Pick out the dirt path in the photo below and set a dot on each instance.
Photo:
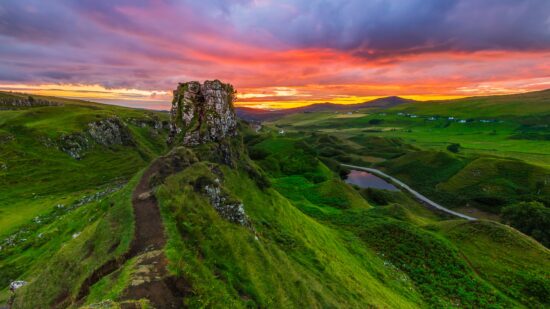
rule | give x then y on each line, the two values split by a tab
150	279
405	187
149	233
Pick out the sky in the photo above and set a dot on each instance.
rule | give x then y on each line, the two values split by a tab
278	53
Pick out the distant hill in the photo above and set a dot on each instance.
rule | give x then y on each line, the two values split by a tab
535	103
255	114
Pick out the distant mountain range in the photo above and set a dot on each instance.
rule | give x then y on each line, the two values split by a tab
535	103
255	114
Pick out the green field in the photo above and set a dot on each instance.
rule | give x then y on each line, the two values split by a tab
505	138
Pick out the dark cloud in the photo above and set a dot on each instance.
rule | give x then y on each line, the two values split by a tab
403	26
153	43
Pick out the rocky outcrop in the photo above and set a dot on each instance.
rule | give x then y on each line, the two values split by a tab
156	124
18	102
107	132
227	206
202	113
74	144
111	131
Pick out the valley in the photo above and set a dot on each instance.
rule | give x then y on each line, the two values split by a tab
477	163
100	211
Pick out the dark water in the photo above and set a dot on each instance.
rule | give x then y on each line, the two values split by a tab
368	180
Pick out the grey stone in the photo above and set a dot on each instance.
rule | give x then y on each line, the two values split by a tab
228	208
145	195
202	113
111	131
17	284
74	144
19	102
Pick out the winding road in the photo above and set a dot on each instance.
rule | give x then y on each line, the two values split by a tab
405	187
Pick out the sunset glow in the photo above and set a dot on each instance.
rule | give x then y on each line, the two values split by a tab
277	54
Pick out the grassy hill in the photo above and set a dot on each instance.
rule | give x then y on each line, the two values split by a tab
258	220
48	156
254	114
56	158
518	105
495	251
487	183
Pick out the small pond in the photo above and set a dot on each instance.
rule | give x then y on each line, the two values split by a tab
364	179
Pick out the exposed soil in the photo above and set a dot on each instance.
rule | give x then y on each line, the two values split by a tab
150	280
149	233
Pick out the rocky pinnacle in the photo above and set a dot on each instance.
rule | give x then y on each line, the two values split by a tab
202	113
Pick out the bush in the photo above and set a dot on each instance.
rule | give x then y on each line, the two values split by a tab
377	197
532	218
455	148
258	153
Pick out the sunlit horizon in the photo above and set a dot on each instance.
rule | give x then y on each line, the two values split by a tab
277	54
256	98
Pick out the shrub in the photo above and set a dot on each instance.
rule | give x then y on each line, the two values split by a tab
454	147
377	197
532	218
258	153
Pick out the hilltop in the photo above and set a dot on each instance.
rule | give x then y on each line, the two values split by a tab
514	105
254	114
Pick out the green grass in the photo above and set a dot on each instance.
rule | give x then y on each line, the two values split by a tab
512	262
113	285
521	134
55	262
295	262
404	234
35	175
429	260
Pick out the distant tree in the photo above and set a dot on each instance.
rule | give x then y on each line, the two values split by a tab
532	218
454	147
375	121
30	99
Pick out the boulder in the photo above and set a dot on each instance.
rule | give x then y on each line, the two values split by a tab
17	284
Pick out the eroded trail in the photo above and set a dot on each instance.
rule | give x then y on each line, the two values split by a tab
149	278
149	231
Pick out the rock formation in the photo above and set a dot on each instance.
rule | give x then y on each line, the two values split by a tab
111	131
229	209
107	132
202	113
20	102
